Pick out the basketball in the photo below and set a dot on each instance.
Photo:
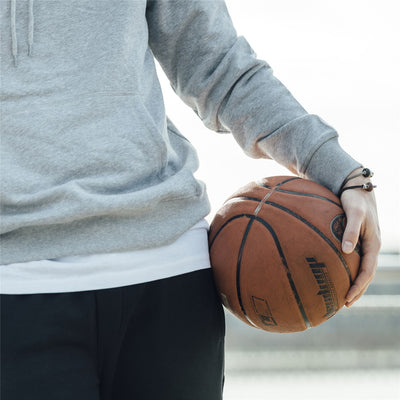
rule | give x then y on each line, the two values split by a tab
275	250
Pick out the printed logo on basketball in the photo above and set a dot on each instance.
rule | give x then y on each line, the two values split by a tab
263	311
327	289
337	226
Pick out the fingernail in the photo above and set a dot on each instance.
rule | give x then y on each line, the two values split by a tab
347	246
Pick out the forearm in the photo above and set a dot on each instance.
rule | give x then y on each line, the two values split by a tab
219	76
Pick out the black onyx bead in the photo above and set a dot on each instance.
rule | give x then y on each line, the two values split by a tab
367	173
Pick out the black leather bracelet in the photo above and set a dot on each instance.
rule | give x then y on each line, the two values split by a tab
366	173
368	187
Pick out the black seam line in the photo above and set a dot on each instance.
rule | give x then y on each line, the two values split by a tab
279	184
305	194
242	198
226	223
270	193
239	265
288	273
315	229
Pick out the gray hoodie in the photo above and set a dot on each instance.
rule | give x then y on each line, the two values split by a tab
89	161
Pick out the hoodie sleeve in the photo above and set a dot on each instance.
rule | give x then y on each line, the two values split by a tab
218	75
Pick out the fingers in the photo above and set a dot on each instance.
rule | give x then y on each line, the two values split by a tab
369	262
366	274
362	222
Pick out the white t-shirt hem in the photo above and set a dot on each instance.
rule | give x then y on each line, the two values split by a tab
188	253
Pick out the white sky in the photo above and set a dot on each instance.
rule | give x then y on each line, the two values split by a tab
340	59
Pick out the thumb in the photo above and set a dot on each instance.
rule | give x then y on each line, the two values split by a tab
352	231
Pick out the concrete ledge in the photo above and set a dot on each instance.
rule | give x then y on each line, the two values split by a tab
251	362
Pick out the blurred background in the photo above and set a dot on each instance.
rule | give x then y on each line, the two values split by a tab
341	60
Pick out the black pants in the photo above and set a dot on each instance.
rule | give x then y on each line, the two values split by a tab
159	340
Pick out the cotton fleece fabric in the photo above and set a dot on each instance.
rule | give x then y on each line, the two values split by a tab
90	163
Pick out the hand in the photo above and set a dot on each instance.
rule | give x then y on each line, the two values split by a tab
362	222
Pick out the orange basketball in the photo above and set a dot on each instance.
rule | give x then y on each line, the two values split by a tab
275	248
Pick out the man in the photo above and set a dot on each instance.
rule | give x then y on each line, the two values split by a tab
107	290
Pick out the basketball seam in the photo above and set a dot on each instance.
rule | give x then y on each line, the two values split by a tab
270	193
238	268
292	192
223	226
280	250
277	188
288	273
279	184
314	228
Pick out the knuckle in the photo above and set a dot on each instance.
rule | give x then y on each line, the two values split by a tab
365	276
358	212
351	235
354	214
372	275
369	274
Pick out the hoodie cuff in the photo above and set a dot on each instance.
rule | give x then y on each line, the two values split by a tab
330	165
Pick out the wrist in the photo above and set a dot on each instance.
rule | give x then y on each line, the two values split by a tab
358	179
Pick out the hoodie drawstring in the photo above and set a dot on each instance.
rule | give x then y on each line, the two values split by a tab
14	42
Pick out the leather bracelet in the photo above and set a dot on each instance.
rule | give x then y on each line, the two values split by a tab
366	173
368	187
